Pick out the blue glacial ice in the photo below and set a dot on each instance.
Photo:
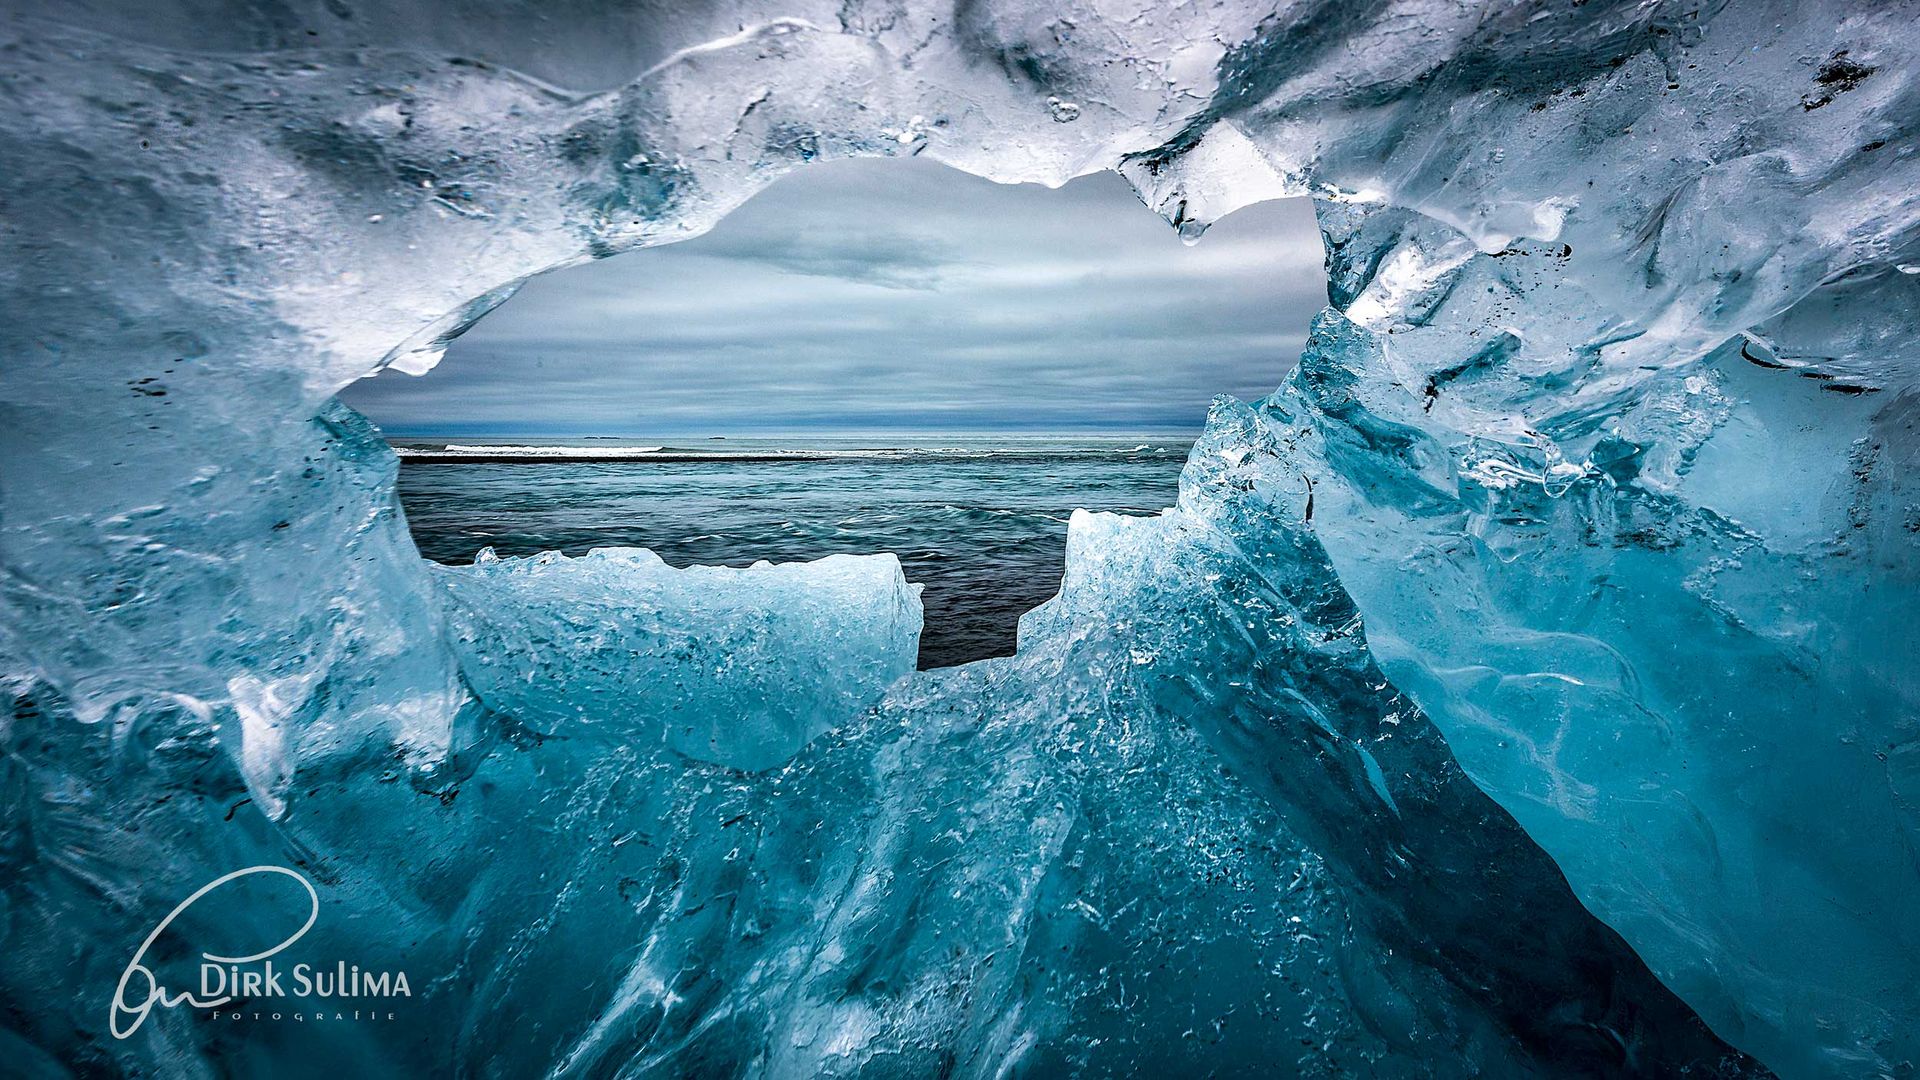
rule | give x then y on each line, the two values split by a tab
738	667
1526	688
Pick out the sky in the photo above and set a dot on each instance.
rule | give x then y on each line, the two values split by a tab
876	296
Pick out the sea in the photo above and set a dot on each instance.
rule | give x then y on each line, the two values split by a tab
980	521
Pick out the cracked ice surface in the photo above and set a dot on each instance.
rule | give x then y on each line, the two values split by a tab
1593	486
737	667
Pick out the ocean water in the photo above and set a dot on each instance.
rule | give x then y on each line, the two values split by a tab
980	521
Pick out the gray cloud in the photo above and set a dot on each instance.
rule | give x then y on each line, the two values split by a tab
888	260
879	295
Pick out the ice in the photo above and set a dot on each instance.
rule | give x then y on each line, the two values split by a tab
735	666
1190	804
1665	632
1593	485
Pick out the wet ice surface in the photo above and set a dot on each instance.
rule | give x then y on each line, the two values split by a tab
1590	502
740	667
984	529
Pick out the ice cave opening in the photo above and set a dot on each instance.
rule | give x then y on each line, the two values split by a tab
869	355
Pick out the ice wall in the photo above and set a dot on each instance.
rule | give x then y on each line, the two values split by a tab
1667	634
1607	436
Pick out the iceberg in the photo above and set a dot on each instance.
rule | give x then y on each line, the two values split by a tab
741	667
1525	688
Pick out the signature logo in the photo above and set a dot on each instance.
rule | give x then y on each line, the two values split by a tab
129	1014
224	979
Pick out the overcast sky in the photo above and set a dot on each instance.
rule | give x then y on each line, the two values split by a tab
885	295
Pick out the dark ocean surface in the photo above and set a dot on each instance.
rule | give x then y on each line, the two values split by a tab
981	521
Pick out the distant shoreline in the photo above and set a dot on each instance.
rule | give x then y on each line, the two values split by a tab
453	454
441	457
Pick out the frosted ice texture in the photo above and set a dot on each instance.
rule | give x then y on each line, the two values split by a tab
1606	441
735	666
1668	635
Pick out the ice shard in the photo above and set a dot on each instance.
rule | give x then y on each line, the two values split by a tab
1665	631
1526	688
735	666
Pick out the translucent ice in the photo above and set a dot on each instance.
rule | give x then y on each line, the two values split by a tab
1190	804
739	667
1605	447
1665	631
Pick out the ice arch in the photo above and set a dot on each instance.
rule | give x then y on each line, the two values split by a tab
1650	586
